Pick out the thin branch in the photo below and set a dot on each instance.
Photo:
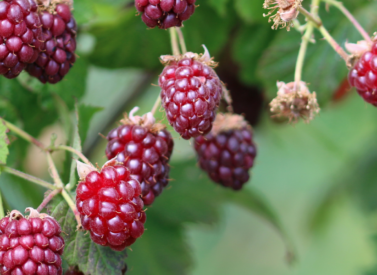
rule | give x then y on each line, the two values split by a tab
27	177
302	52
333	43
174	41
74	151
72	205
181	40
48	199
54	172
156	104
316	21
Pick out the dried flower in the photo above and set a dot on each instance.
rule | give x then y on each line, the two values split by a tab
294	101
287	12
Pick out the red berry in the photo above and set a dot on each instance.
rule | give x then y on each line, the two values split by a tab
31	245
228	152
145	151
59	32
190	92
20	36
363	76
165	13
110	206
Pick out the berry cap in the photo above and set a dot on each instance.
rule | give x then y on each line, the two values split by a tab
228	121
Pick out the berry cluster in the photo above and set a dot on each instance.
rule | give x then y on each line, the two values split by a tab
145	149
363	75
110	206
228	152
59	36
40	39
30	245
191	92
165	13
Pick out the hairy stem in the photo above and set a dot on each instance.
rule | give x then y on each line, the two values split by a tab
48	198
54	172
74	151
174	41
27	177
181	40
72	205
24	135
351	18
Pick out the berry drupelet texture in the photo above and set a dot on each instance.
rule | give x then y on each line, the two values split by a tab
20	35
363	76
146	153
30	246
190	92
110	207
227	156
165	13
59	36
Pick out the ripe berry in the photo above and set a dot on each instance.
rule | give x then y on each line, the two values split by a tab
20	36
228	152
165	13
363	75
110	206
191	92
59	34
144	147
30	245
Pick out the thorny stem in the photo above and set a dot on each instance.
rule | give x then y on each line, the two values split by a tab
174	41
353	20
48	198
72	205
24	135
27	177
181	40
74	151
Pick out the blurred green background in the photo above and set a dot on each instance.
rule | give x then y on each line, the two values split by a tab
320	178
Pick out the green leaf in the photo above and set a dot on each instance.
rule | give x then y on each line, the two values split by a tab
86	113
3	142
80	250
250	11
219	6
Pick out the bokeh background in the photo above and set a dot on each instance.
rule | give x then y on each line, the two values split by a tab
320	178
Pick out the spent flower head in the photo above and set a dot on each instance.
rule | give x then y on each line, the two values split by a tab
287	11
294	101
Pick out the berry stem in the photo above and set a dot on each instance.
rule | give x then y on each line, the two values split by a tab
27	177
174	42
351	18
24	135
74	151
181	40
54	172
48	198
312	18
2	214
72	205
303	48
156	104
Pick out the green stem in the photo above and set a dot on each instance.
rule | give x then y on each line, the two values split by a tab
27	177
312	18
156	104
72	205
302	52
74	151
24	135
352	19
181	40
54	172
174	41
2	214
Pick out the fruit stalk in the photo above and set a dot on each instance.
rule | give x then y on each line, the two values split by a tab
72	205
72	150
48	198
27	177
156	104
181	40
352	19
174	41
2	214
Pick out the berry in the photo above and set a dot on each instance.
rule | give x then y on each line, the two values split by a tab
191	92
20	36
59	34
165	13
144	147
363	75
30	245
228	152
110	206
